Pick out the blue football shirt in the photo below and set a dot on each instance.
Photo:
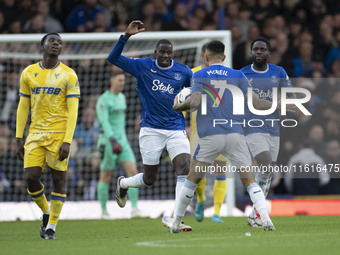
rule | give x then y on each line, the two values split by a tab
217	80
263	82
157	87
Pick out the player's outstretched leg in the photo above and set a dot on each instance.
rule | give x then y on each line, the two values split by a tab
121	194
258	199
199	209
182	203
167	221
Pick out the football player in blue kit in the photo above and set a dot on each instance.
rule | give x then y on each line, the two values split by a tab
219	129
158	82
263	136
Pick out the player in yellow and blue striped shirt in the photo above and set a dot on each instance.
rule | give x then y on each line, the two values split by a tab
52	91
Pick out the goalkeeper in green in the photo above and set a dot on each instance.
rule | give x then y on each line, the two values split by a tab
113	144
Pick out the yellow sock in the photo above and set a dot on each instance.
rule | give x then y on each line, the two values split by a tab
40	199
200	190
57	202
220	189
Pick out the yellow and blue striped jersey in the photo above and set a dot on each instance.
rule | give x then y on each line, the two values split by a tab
48	90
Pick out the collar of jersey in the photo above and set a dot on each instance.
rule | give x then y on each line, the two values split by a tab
165	68
217	64
256	71
40	64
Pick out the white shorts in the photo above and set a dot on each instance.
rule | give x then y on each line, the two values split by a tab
260	142
152	142
232	146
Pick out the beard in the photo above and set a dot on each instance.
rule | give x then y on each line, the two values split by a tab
259	63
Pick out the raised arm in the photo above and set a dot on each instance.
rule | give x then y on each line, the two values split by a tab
127	64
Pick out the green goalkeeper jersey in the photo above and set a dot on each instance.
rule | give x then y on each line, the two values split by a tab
110	110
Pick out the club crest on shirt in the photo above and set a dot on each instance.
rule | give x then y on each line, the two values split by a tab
178	76
274	79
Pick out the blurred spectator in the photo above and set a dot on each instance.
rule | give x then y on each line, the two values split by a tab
35	25
241	55
303	63
282	48
334	52
100	23
2	23
13	168
263	10
49	24
82	18
232	12
10	98
14	26
25	10
201	13
180	21
4	183
151	21
60	9
332	161
316	140
303	181
9	9
295	29
244	22
317	68
194	23
336	69
324	39
86	134
191	5
236	35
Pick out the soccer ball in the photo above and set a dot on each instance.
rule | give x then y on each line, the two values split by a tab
183	95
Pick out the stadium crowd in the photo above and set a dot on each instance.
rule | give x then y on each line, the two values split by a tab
304	38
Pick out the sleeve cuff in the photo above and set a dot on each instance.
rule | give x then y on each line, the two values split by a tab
24	95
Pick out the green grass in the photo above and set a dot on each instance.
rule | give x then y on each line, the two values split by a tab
294	235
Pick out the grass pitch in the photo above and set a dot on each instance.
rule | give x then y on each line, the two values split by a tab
294	235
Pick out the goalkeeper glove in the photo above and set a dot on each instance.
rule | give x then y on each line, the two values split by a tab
116	148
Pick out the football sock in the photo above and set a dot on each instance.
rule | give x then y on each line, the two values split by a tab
40	199
57	202
51	226
200	190
179	184
183	200
133	194
258	199
263	179
220	188
135	181
103	194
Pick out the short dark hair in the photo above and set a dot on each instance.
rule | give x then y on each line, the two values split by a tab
216	47
204	47
163	41
45	36
260	39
